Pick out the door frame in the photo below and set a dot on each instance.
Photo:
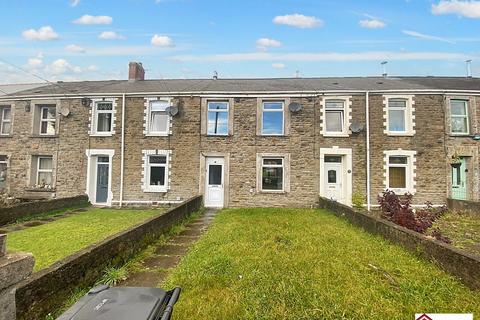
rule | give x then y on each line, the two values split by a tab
91	181
347	177
463	174
226	174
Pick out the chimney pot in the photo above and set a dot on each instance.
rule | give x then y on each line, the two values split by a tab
136	71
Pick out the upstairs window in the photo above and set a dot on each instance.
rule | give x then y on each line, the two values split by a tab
273	174
217	118
48	116
399	119
334	116
158	118
273	118
397	115
459	117
104	116
5	120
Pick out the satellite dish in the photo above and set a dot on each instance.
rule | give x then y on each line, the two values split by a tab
356	127
295	107
172	110
64	111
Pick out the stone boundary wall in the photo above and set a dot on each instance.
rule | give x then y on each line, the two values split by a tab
46	290
464	205
13	213
459	263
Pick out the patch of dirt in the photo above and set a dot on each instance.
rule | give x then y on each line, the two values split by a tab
144	279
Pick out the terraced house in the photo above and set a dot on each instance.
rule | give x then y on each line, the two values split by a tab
242	142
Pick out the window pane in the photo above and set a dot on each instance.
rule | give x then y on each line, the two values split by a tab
45	163
398	160
104	122
459	108
159	105
45	178
48	113
334	121
157	176
272	123
158	122
103	159
272	178
3	158
214	174
332	104
273	105
217	106
7	113
337	159
6	127
3	175
269	161
397	103
332	176
104	106
158	159
397	177
459	125
47	127
218	123
396	121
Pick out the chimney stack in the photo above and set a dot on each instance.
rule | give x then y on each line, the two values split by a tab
135	71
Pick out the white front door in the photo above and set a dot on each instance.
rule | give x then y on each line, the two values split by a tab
333	178
214	184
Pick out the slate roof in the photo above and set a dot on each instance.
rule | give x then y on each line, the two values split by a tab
257	85
6	89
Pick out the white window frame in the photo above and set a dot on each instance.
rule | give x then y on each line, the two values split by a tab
466	104
273	110
47	120
146	187
94	117
410	170
6	163
37	173
219	111
147	117
409	116
272	166
347	116
3	120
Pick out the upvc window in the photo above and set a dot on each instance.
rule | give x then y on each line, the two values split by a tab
273	118
158	118
217	118
157	173
334	116
103	117
400	166
44	172
273	171
459	117
397	172
5	120
3	171
47	120
397	115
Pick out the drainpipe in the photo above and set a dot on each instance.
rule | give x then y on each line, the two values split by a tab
367	124
122	152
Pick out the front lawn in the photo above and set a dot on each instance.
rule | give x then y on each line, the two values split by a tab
53	241
307	264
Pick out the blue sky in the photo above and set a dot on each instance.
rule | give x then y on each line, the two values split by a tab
87	39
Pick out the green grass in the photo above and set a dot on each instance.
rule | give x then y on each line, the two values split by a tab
53	241
307	264
462	228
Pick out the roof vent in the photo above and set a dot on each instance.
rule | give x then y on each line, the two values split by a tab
469	68
215	75
384	68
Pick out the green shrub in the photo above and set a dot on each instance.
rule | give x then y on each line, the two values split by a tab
113	275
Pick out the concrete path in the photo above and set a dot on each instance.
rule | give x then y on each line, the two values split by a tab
156	267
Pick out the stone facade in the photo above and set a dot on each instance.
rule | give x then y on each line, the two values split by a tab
188	142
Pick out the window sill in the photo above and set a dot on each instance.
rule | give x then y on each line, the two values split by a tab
6	135
43	136
400	134
400	192
155	190
156	134
336	135
460	135
218	135
273	191
31	189
109	134
272	135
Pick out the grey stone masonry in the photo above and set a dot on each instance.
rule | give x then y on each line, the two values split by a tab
14	268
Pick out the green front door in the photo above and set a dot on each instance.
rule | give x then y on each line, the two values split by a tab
459	180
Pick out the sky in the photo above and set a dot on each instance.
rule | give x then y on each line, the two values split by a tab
72	40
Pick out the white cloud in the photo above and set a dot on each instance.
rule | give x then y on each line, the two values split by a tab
92	68
62	66
75	48
43	34
298	21
110	35
372	24
74	3
162	41
264	43
326	56
419	35
278	65
34	63
469	9
88	19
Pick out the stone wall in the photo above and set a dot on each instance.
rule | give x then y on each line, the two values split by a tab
459	263
464	205
46	290
21	210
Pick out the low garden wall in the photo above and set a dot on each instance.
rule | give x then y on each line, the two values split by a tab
21	210
464	205
46	290
457	262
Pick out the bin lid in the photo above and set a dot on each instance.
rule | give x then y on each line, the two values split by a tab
119	303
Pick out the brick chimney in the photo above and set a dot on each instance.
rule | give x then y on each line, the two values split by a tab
135	71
